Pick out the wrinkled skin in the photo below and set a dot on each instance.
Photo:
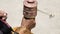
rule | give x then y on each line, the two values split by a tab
23	30
30	12
28	23
26	26
30	3
30	8
28	20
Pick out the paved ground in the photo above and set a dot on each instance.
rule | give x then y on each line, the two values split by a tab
44	24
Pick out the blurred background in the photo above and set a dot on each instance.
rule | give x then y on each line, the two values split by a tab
44	24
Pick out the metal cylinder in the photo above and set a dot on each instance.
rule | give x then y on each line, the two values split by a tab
30	8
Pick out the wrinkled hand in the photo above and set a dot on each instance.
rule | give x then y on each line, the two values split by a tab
28	23
24	31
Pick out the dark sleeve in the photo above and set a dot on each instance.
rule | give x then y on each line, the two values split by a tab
1	32
5	29
1	24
